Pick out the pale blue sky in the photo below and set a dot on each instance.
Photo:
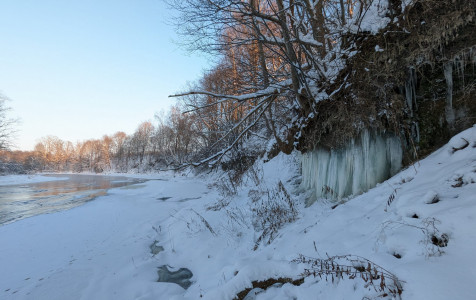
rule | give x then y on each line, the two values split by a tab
82	69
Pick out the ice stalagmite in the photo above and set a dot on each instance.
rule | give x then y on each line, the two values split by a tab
353	169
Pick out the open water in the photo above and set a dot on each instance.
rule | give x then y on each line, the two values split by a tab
21	201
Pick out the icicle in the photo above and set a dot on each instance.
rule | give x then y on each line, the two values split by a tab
461	68
459	64
449	112
411	100
410	90
352	170
416	132
473	56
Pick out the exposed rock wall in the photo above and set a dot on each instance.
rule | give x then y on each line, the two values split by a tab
414	82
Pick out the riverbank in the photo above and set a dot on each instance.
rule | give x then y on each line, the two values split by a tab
417	228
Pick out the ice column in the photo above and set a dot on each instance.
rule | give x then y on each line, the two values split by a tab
449	112
351	170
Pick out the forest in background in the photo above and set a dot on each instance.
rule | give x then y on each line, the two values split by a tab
150	147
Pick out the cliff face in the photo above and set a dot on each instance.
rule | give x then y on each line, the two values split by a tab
415	78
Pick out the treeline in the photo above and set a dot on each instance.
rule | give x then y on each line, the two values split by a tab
171	142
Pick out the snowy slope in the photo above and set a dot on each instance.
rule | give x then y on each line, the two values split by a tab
204	223
395	219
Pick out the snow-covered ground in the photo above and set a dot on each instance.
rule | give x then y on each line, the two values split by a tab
220	232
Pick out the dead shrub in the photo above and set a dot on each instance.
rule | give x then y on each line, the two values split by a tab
228	186
433	240
272	212
335	268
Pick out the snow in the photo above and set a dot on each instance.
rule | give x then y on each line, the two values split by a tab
373	18
405	4
101	250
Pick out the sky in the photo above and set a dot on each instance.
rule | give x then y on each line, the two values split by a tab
82	69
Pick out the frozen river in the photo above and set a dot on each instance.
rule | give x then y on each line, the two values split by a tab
19	201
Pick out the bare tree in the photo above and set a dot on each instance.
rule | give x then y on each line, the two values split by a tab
141	139
279	56
7	129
